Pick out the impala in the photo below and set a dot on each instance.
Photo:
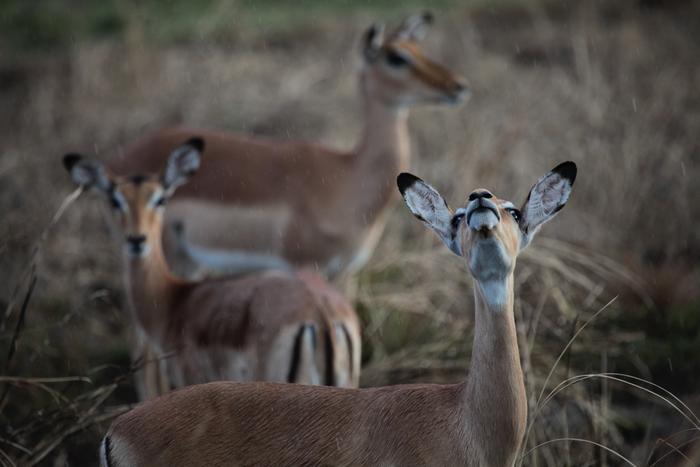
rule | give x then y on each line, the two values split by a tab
303	202
477	422
274	326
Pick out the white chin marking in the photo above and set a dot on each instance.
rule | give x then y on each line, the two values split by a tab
140	254
483	219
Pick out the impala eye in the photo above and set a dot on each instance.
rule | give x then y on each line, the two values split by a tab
114	203
161	201
395	60
116	200
515	213
456	219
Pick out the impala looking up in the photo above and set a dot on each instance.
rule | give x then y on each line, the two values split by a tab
300	201
477	422
275	326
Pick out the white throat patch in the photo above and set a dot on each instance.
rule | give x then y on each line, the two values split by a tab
145	251
491	265
495	293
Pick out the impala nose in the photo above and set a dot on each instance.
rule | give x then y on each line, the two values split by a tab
482	212
480	194
460	89
136	245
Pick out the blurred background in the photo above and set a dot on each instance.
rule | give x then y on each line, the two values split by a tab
611	85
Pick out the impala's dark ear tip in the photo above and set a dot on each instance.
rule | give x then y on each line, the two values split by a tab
428	17
405	181
197	143
371	41
371	33
70	159
566	170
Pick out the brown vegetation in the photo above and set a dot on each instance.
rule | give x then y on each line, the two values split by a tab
607	85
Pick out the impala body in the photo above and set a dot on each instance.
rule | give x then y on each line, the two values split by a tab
297	200
478	422
287	326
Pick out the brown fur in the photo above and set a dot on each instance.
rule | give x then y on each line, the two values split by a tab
325	221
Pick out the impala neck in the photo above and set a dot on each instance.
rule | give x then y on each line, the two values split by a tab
495	391
152	288
383	150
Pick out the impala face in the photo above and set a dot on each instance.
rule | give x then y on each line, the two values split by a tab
489	232
138	201
402	74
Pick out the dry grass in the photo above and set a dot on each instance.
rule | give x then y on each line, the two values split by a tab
606	85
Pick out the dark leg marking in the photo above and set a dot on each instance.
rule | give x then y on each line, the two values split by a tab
296	354
107	451
330	358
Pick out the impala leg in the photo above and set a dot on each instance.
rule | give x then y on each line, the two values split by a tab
161	364
147	376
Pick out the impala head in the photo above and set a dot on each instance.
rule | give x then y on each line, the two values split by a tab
489	232
137	201
399	73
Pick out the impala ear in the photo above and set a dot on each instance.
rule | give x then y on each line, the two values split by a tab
182	164
430	207
88	173
547	197
372	42
414	27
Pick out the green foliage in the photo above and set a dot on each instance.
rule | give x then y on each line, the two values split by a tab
56	23
52	24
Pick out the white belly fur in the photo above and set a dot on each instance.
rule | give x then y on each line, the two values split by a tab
213	225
